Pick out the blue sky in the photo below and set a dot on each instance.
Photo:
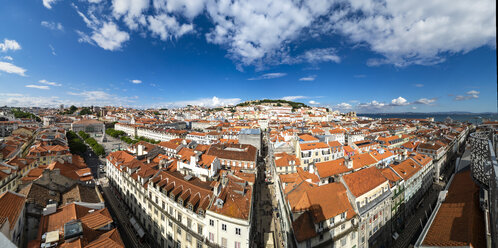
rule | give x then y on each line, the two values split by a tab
367	56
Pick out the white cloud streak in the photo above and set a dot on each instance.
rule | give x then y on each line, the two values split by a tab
48	3
202	102
269	76
46	82
52	25
11	68
40	87
308	78
473	94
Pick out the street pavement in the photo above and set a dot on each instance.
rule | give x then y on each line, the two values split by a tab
121	216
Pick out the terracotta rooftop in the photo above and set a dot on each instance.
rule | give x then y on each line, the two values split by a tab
312	146
284	159
11	205
459	221
362	181
236	197
406	169
233	152
332	168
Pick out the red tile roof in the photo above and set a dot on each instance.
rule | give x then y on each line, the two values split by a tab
363	181
11	205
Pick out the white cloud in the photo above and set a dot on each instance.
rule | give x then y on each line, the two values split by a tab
109	36
136	81
407	32
266	31
308	78
7	45
418	85
203	102
41	87
11	68
473	94
7	58
400	101
131	10
312	102
48	3
105	33
343	106
43	81
21	100
52	25
269	76
321	55
293	98
425	101
166	26
189	9
100	98
52	49
373	105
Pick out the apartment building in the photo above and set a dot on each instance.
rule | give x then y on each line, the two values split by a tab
228	220
12	218
286	163
370	193
235	156
311	153
320	221
181	210
337	149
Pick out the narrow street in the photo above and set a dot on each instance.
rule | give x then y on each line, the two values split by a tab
121	217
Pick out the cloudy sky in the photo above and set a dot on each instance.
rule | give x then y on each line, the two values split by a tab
363	55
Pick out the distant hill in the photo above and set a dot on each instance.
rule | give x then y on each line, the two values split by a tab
279	102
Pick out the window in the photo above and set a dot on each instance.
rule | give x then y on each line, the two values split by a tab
223	227
343	215
189	238
179	230
237	231
353	235
343	241
343	226
189	223
199	244
223	242
211	222
211	237
170	223
180	217
199	229
237	244
321	237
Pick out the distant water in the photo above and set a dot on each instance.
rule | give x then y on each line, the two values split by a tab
464	117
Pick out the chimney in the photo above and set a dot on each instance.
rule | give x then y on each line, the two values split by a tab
217	188
140	150
348	162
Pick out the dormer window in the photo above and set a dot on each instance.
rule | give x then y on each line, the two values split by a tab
190	207
180	201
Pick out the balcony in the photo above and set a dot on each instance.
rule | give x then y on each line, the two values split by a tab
369	205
